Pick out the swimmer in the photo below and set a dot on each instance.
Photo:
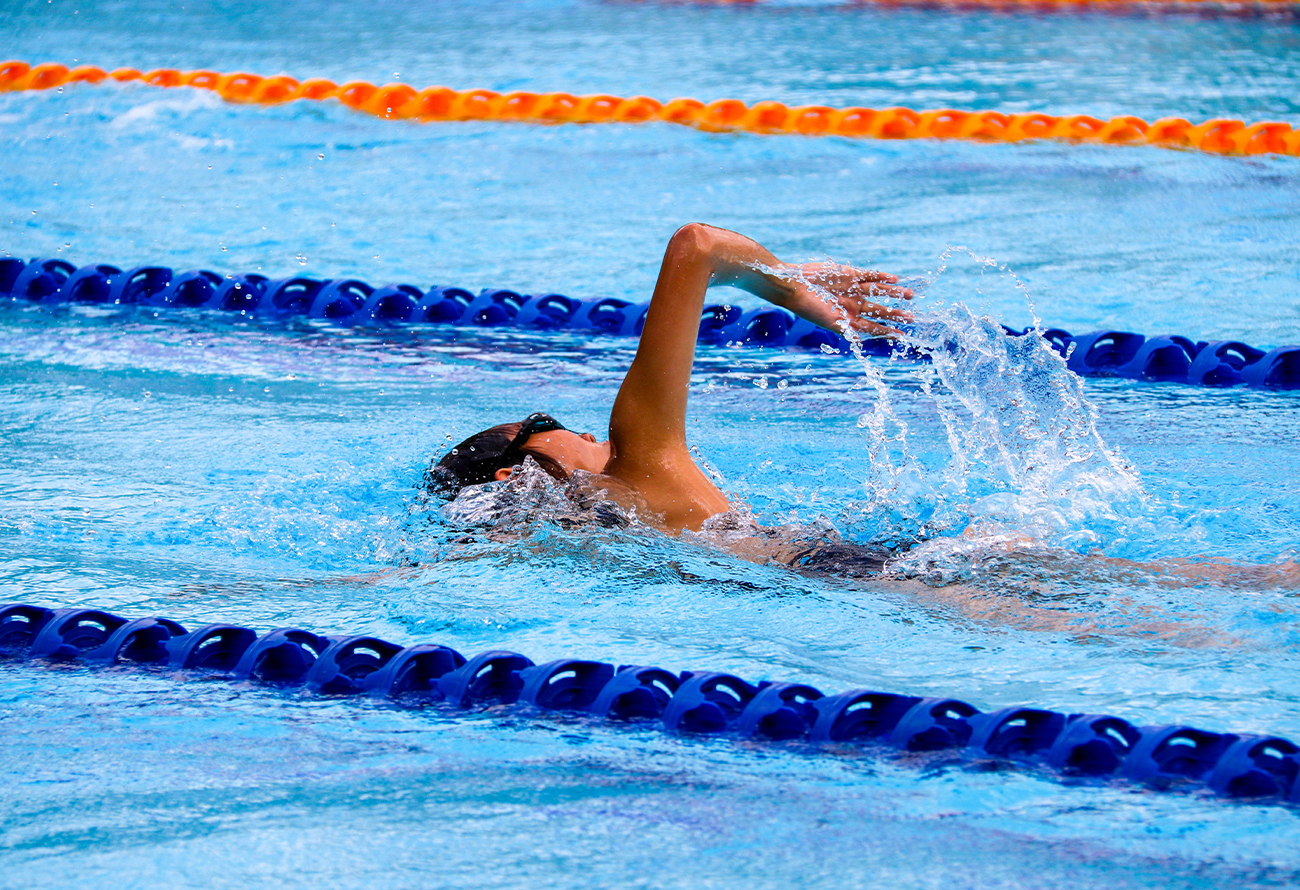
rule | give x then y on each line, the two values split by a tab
645	464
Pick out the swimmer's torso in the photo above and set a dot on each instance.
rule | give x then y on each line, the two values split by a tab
806	550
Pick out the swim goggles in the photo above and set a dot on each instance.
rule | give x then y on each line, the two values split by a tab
533	424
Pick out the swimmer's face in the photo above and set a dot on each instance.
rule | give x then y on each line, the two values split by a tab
570	450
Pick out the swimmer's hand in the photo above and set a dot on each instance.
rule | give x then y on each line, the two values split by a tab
837	297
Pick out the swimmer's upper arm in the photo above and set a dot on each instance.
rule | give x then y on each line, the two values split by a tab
649	417
648	423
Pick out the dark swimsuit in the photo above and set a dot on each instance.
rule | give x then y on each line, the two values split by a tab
840	560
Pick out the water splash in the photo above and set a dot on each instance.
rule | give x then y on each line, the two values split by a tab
530	497
1021	454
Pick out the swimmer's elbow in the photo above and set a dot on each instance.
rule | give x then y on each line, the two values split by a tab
692	241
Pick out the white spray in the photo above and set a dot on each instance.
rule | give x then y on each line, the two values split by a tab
1023	452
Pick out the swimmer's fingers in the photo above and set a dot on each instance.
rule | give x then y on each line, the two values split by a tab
873	329
863	283
862	320
840	279
836	296
869	276
887	291
862	309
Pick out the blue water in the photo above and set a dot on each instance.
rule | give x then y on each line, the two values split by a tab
207	469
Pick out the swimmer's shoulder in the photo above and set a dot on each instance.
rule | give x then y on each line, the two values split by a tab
672	489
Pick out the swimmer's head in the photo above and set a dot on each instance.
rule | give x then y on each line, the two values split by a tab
494	453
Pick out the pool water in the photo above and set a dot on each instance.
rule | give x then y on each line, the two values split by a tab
207	468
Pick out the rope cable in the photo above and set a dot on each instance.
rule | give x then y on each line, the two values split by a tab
1102	747
350	302
399	101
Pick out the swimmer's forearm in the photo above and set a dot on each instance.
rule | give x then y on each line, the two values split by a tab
649	416
834	296
744	263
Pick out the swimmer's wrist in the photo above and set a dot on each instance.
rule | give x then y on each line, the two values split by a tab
766	281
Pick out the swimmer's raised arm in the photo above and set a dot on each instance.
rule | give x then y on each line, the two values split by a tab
648	424
647	451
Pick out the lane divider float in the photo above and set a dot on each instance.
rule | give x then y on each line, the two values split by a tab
1081	746
401	101
351	302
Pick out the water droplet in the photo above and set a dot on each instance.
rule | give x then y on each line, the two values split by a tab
863	420
761	382
321	156
782	384
302	259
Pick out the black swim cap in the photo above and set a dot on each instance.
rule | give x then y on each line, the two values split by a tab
477	459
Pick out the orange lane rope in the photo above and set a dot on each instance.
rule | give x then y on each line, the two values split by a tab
400	101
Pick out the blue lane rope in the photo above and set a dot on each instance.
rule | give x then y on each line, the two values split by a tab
1169	359
1098	746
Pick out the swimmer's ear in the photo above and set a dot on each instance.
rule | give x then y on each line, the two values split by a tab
503	474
